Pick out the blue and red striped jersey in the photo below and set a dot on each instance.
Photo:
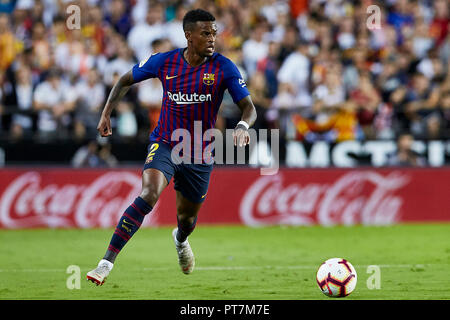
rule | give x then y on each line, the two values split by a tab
190	93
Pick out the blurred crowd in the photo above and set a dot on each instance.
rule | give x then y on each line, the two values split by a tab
317	70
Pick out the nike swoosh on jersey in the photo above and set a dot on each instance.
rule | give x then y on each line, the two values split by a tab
168	78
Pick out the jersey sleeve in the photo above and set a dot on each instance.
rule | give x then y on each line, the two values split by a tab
234	82
148	68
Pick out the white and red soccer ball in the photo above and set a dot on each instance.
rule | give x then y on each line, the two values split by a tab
336	277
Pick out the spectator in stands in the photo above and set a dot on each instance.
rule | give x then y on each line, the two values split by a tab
229	114
433	127
122	63
401	16
54	100
73	56
21	25
439	26
94	29
269	66
149	92
293	76
1	110
307	25
405	155
260	97
142	35
328	96
41	47
106	157
346	38
367	99
7	6
445	114
174	29
422	40
126	120
139	11
389	78
230	35
324	36
22	119
255	48
274	11
7	43
358	65
445	84
432	67
118	17
37	12
278	29
90	99
86	156
94	155
289	43
320	65
421	102
384	122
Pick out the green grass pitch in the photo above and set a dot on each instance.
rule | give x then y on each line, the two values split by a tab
232	262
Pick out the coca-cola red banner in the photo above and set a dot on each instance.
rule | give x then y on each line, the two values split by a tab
97	198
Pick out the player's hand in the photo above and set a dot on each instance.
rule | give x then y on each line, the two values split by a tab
104	126
241	137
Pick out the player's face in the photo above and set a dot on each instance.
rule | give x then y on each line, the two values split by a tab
203	38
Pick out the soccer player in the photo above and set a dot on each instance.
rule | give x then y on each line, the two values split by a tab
194	80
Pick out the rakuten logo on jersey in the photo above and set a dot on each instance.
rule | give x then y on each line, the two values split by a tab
185	98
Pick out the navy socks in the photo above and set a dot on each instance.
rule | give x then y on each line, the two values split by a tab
185	229
128	224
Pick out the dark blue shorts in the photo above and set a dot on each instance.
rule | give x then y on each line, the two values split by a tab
192	180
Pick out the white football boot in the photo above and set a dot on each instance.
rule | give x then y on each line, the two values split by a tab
186	258
99	274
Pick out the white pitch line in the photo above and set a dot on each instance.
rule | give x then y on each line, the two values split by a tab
224	268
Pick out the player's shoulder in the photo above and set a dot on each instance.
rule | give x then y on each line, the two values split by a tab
159	57
164	55
227	66
222	60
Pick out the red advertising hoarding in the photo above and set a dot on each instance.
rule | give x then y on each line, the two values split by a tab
73	198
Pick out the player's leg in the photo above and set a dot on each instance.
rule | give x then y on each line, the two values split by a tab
153	183
187	212
158	170
191	184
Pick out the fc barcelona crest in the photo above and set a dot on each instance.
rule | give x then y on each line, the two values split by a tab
208	78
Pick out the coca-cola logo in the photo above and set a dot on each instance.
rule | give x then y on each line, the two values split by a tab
365	197
32	200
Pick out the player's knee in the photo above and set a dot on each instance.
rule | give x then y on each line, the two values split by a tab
150	195
186	217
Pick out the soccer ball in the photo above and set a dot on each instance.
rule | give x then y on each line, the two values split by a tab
336	277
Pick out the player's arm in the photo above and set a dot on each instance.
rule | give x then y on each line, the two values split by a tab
240	135
145	69
241	96
117	92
